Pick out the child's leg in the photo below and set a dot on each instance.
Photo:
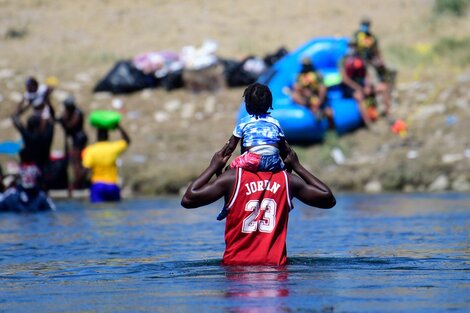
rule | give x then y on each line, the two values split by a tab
314	103
271	163
248	161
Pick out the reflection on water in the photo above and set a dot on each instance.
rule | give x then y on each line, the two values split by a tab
245	283
370	253
256	282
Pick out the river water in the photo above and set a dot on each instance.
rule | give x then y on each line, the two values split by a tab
371	253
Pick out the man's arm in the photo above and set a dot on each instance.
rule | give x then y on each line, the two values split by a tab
51	108
16	119
22	106
68	121
201	191
124	134
230	146
228	149
87	163
376	50
306	187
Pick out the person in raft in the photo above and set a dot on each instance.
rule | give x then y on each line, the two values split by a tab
309	90
259	203
100	159
355	82
261	135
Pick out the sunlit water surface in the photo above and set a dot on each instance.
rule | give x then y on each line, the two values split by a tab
381	253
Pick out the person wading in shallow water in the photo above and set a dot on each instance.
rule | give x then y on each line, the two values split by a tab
261	136
37	139
72	122
37	96
100	158
259	203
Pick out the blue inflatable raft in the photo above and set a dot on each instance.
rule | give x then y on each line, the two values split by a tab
297	121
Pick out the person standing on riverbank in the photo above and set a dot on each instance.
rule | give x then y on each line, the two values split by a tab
100	159
260	202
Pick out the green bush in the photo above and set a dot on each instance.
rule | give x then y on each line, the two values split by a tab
408	56
445	50
454	7
454	49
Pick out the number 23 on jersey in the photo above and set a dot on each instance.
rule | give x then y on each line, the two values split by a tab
266	223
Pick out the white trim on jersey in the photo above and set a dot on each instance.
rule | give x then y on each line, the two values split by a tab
235	194
289	200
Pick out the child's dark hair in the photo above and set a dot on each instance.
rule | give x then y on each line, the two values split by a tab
258	99
31	81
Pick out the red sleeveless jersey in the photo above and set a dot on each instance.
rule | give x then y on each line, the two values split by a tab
256	226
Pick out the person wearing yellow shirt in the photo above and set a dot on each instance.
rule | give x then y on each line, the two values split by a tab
100	159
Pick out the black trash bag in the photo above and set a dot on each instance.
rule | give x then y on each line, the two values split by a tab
272	58
229	66
126	78
236	73
172	80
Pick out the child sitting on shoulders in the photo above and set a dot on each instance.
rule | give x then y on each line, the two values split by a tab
37	96
262	137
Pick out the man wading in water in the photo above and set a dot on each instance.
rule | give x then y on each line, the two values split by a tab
259	203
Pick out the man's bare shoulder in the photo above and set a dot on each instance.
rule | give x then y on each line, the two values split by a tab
229	175
227	180
295	182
